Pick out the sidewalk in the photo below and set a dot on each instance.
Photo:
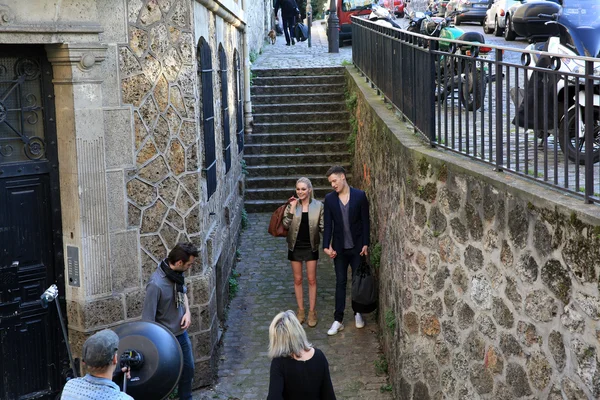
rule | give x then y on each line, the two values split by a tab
300	55
265	288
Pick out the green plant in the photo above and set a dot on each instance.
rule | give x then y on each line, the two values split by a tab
381	366
252	76
346	62
351	101
297	150
244	167
253	56
390	320
238	255
420	190
233	284
376	255
385	388
244	219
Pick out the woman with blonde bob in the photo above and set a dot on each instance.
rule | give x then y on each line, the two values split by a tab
303	218
298	370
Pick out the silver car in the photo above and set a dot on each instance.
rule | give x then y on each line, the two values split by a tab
495	17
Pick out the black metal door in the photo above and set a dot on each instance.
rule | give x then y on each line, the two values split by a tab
33	355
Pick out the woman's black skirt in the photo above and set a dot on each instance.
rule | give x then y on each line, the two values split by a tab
303	254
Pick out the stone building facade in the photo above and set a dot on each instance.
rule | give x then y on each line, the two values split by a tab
151	98
489	285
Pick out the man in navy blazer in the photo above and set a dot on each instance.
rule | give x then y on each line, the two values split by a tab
345	237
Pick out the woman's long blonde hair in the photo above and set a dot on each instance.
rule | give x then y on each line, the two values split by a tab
308	184
286	336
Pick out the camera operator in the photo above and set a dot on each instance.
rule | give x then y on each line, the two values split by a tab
100	356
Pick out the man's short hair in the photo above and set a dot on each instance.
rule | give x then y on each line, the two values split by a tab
99	349
182	252
336	169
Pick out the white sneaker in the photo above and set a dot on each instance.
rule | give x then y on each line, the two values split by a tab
335	328
360	322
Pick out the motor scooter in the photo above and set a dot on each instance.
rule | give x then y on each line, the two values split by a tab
453	72
579	35
383	16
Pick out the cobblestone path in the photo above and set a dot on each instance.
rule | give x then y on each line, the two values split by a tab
300	55
265	288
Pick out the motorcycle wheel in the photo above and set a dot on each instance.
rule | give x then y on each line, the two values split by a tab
472	100
569	140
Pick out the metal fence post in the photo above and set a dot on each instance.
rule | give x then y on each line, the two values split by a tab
309	21
589	131
433	47
499	136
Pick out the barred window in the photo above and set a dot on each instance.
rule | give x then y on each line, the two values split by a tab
225	109
239	111
208	114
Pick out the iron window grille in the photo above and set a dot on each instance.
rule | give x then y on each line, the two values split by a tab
239	112
208	115
225	110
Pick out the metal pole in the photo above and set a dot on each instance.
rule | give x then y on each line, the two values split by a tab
309	21
333	24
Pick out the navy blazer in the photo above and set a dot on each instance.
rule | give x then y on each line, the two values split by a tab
358	215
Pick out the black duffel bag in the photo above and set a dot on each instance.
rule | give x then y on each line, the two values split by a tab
364	288
301	32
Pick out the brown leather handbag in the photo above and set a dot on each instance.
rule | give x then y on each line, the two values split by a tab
276	227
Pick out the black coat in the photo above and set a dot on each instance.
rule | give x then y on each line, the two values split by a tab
289	8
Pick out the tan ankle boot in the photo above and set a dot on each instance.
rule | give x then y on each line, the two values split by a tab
312	318
300	314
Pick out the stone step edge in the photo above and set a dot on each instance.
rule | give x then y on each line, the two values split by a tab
296	76
249	135
296	154
246	145
284	177
295	86
261	96
346	164
324	103
332	69
301	113
298	123
259	190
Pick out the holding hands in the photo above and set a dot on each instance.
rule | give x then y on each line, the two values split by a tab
330	252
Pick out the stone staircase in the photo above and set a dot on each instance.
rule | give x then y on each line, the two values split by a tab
300	129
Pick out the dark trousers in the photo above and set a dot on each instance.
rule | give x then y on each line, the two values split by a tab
341	261
288	28
185	382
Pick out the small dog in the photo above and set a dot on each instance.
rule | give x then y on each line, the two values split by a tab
272	36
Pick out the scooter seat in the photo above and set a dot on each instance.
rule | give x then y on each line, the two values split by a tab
471	37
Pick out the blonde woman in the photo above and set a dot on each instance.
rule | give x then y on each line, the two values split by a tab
298	370
303	218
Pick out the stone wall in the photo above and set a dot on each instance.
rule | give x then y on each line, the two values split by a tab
259	15
489	285
166	189
131	152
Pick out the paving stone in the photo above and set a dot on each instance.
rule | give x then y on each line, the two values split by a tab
266	288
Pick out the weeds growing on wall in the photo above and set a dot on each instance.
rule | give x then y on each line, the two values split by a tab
244	219
376	256
390	321
252	76
244	167
381	365
351	102
253	56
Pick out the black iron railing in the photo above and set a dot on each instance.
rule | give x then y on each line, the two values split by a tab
539	122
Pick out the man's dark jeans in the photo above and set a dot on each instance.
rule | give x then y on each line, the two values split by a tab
341	261
288	28
185	382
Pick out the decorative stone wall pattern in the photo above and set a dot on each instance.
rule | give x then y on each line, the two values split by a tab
487	290
166	191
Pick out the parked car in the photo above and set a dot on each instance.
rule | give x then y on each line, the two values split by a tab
526	20
495	17
467	10
345	10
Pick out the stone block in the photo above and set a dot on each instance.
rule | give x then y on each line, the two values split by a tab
430	325
134	303
510	346
205	373
518	226
557	349
486	325
517	380
102	312
540	306
109	70
474	346
589	304
502	313
539	371
118	141
474	223
473	258
527	268
115	194
421	391
465	315
481	292
124	260
494	361
481	379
